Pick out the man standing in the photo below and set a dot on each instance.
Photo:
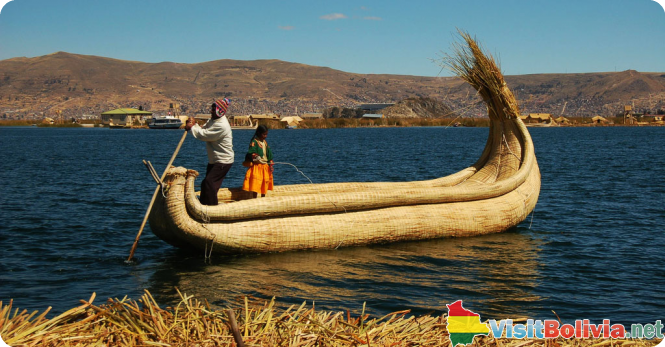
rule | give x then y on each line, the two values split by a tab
216	133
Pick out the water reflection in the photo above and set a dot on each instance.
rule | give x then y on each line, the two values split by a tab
494	274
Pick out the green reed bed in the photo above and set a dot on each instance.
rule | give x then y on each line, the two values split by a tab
61	125
38	123
125	322
391	122
12	122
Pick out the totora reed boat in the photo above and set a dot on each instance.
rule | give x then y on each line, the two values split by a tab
496	193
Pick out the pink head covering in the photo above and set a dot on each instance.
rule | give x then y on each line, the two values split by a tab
222	105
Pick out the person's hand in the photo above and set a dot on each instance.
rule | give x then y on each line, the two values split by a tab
272	168
190	123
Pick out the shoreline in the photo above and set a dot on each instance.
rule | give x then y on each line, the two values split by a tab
191	321
337	123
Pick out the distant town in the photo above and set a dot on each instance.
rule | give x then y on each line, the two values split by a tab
64	86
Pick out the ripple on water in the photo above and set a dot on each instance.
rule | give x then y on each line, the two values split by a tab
590	250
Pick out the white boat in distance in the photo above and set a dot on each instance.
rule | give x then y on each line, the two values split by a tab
165	122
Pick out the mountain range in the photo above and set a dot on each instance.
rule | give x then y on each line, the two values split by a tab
82	84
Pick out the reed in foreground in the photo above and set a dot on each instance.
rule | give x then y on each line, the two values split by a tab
192	322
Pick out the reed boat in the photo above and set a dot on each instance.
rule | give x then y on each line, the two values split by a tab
496	193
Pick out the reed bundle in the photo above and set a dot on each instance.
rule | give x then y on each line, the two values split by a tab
124	322
478	68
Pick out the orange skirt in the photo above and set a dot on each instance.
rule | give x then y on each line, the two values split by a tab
258	179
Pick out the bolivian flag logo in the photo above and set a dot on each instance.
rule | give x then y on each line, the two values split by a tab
464	325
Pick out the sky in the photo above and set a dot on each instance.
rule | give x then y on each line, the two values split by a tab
358	36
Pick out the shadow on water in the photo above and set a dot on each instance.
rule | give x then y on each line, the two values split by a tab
490	272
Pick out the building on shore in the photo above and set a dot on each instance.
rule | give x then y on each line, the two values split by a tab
562	120
599	120
266	116
537	118
124	117
292	121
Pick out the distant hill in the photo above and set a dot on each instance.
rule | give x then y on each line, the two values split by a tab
83	84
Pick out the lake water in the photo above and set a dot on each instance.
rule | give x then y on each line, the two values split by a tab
72	201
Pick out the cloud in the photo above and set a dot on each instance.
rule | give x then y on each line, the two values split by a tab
333	16
3	3
287	27
661	2
372	18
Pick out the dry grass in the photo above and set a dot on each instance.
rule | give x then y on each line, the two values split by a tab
194	323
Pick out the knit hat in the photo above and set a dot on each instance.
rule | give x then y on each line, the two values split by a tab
222	105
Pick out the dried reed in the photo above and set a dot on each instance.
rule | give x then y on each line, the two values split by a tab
194	323
479	68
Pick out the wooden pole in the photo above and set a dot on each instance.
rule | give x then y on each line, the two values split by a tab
154	196
234	328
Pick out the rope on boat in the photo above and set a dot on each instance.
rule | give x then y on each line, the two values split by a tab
503	136
498	165
524	198
532	213
206	219
507	146
517	190
154	175
302	173
310	181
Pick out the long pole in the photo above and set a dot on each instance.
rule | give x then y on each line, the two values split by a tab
154	196
234	328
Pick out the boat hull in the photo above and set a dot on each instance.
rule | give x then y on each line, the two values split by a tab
327	231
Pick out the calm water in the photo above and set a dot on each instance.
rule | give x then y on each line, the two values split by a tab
72	201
